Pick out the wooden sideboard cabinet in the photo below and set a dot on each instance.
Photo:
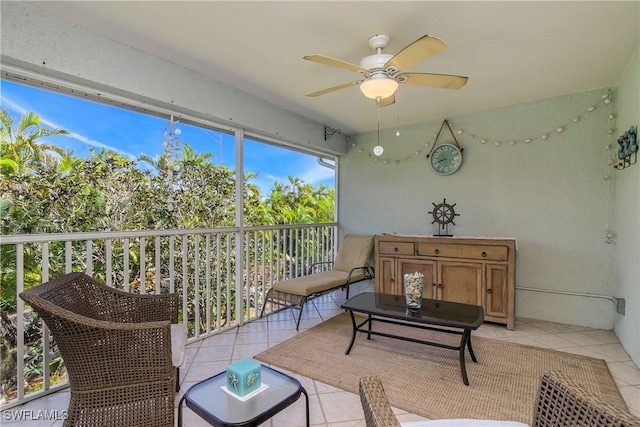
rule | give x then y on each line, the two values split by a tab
467	270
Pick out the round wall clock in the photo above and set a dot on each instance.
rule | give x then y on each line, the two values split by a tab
445	159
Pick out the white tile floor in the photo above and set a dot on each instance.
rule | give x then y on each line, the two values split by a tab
333	407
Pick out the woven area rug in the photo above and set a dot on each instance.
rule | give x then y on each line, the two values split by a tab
426	380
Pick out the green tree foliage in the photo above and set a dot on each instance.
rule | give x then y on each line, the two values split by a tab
44	189
299	203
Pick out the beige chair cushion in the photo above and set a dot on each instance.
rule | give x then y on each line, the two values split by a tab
318	282
178	342
354	251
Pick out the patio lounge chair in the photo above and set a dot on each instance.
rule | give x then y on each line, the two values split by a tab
559	402
351	265
117	348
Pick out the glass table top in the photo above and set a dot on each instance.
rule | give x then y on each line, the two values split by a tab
213	404
433	312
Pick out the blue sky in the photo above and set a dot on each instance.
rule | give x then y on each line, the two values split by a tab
92	124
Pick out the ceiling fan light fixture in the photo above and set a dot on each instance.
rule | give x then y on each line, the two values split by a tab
379	87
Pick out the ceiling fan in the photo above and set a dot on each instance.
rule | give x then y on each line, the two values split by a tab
382	72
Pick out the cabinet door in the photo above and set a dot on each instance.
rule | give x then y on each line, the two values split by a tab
460	282
496	283
426	267
385	275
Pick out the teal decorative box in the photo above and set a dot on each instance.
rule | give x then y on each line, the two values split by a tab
243	376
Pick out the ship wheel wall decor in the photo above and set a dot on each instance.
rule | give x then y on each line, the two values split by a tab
443	213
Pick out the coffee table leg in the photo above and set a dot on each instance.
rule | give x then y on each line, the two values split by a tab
353	333
473	356
370	324
463	344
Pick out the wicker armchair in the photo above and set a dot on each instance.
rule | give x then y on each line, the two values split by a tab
559	403
117	349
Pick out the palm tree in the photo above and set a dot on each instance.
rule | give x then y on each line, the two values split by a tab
21	149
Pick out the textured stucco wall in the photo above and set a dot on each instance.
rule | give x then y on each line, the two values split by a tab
628	216
550	195
38	42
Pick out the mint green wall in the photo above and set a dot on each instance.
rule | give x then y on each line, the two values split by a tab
627	327
551	195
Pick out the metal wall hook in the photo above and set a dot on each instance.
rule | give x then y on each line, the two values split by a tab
329	132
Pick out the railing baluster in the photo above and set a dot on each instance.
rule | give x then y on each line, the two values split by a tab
228	279
142	288
185	286
67	257
46	357
207	260
196	282
89	257
246	276
108	247
125	265
218	281
262	290
20	318
172	264
158	264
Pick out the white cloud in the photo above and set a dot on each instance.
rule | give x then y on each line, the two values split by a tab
98	144
10	105
52	125
317	173
310	173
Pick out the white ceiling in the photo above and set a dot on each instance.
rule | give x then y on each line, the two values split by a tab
512	51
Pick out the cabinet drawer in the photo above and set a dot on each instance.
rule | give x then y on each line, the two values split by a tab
438	249
495	253
396	248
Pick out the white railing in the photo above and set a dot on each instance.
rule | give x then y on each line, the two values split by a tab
221	276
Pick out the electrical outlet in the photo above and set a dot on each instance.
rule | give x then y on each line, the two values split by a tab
620	305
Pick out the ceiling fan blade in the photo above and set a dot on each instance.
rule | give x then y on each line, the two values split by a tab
416	52
385	102
443	81
333	88
335	63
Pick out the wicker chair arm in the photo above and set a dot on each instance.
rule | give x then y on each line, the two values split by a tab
376	407
560	401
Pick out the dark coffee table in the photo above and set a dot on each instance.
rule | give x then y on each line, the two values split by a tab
459	319
218	408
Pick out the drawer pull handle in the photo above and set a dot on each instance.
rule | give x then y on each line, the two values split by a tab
395	249
434	284
437	251
489	291
484	254
440	285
